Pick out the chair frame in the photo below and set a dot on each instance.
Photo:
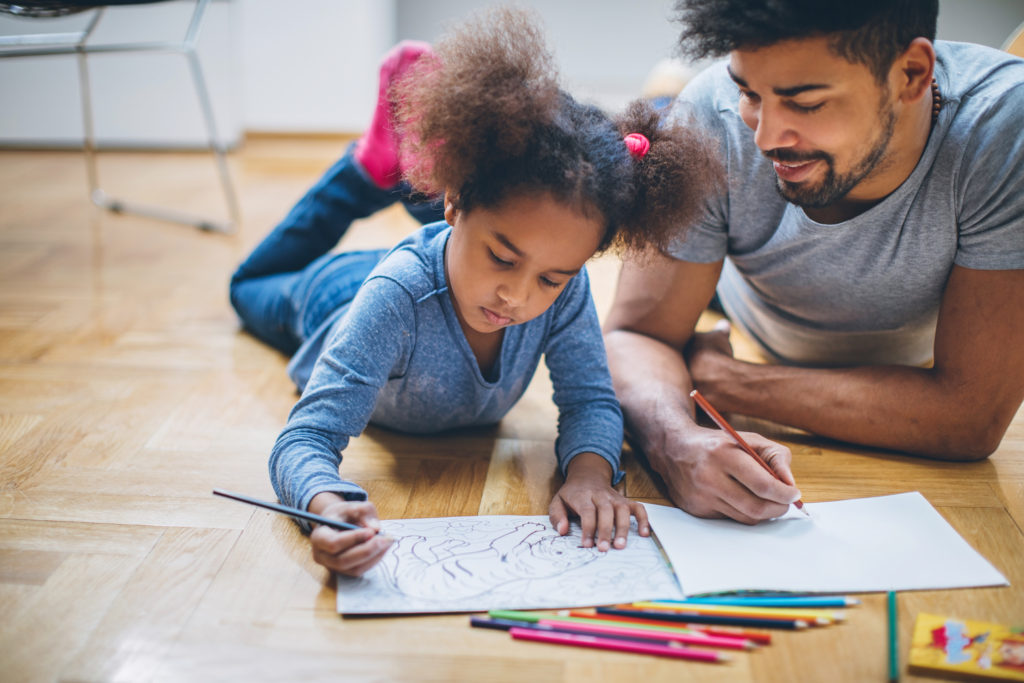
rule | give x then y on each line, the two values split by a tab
77	43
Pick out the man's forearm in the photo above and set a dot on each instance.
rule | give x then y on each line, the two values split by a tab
894	407
652	385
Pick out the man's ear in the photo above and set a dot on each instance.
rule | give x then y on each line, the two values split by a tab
914	69
451	211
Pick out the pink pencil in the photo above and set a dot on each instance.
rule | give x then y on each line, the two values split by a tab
598	643
624	632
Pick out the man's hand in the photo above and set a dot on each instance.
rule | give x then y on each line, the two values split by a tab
709	475
705	355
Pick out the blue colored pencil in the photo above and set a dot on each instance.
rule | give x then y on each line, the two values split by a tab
775	601
691	618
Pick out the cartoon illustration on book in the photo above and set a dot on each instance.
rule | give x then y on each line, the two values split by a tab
468	563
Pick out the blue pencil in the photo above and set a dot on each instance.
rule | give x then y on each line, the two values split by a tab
684	617
774	601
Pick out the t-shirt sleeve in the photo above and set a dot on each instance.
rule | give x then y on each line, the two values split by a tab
371	343
991	188
706	239
589	417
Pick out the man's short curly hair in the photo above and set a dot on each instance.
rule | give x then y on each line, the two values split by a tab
869	32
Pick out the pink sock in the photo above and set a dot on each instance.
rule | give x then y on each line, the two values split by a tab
377	150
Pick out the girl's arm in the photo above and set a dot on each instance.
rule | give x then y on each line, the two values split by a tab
589	443
370	343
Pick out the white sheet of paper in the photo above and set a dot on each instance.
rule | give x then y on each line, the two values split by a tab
472	564
897	542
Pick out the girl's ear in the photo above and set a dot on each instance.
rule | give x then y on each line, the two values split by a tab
450	210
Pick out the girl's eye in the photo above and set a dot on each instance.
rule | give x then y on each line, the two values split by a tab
748	96
499	261
550	283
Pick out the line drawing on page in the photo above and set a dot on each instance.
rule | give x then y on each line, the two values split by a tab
465	564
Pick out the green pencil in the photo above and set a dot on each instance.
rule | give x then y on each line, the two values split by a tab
894	633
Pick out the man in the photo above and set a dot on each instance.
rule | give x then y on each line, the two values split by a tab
869	238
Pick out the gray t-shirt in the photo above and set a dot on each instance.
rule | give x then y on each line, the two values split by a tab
867	290
397	357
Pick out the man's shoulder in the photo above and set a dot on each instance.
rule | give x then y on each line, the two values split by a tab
980	77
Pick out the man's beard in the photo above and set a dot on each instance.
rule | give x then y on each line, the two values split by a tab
833	187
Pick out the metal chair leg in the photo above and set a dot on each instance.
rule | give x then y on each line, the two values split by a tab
101	198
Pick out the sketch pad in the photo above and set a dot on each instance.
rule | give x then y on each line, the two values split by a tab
897	542
471	564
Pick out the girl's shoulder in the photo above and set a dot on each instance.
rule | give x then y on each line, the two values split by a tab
416	263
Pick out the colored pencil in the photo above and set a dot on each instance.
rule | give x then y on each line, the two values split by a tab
600	643
290	511
610	631
720	421
817	616
685	617
574	617
709	636
757	636
772	601
894	633
698	639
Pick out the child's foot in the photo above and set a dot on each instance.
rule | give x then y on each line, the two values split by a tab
377	150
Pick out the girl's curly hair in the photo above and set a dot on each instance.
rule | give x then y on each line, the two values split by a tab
484	119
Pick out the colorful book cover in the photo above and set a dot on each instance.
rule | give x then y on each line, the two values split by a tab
972	648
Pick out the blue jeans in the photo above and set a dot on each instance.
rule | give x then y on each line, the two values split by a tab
290	284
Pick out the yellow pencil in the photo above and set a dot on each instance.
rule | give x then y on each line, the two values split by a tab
819	616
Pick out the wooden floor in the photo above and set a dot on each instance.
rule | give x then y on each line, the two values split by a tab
127	393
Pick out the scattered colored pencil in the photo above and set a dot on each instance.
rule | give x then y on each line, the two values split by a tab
820	617
757	636
612	631
894	633
687	617
619	645
773	601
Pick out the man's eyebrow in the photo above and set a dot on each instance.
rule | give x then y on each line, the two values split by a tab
514	249
781	92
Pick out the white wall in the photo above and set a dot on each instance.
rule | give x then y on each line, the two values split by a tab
137	98
310	65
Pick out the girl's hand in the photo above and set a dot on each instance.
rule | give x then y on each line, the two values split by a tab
351	553
604	513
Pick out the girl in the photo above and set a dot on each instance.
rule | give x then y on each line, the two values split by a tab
446	329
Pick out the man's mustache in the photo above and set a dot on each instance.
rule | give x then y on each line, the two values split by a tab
790	155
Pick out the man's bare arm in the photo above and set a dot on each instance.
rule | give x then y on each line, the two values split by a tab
958	409
656	307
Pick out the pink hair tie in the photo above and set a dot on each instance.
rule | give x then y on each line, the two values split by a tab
637	145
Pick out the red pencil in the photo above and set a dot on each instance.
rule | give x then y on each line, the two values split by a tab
717	418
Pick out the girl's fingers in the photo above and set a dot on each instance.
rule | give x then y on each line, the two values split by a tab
640	512
588	524
606	520
559	516
622	516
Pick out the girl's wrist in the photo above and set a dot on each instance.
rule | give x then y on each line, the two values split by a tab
589	465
